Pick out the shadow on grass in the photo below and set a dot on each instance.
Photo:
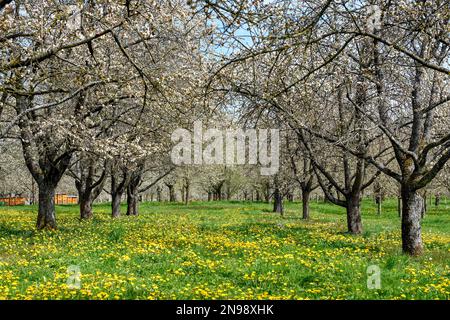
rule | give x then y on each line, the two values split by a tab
14	232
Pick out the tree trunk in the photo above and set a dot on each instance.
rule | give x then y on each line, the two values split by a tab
33	192
437	200
119	185
115	204
267	193
86	200
171	193
46	213
378	202
278	202
411	216
424	207
132	206
132	201
325	199
88	187
158	195
187	193
305	204
354	224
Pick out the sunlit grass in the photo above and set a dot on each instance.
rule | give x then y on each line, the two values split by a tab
221	250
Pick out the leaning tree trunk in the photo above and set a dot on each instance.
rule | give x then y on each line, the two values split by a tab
354	224
46	213
278	201
305	203
411	216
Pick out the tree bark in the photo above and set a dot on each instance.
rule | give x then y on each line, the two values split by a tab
33	191
424	207
132	205
115	204
267	193
411	215
354	224
85	204
132	200
187	193
158	194
118	186
88	186
305	204
278	202
182	194
46	212
171	193
378	202
87	195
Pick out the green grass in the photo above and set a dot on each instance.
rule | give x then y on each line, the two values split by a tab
221	250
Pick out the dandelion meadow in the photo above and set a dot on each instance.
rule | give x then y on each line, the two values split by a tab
220	250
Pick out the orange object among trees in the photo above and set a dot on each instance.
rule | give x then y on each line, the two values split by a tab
13	201
62	198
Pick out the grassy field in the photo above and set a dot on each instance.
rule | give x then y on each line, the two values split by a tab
220	250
